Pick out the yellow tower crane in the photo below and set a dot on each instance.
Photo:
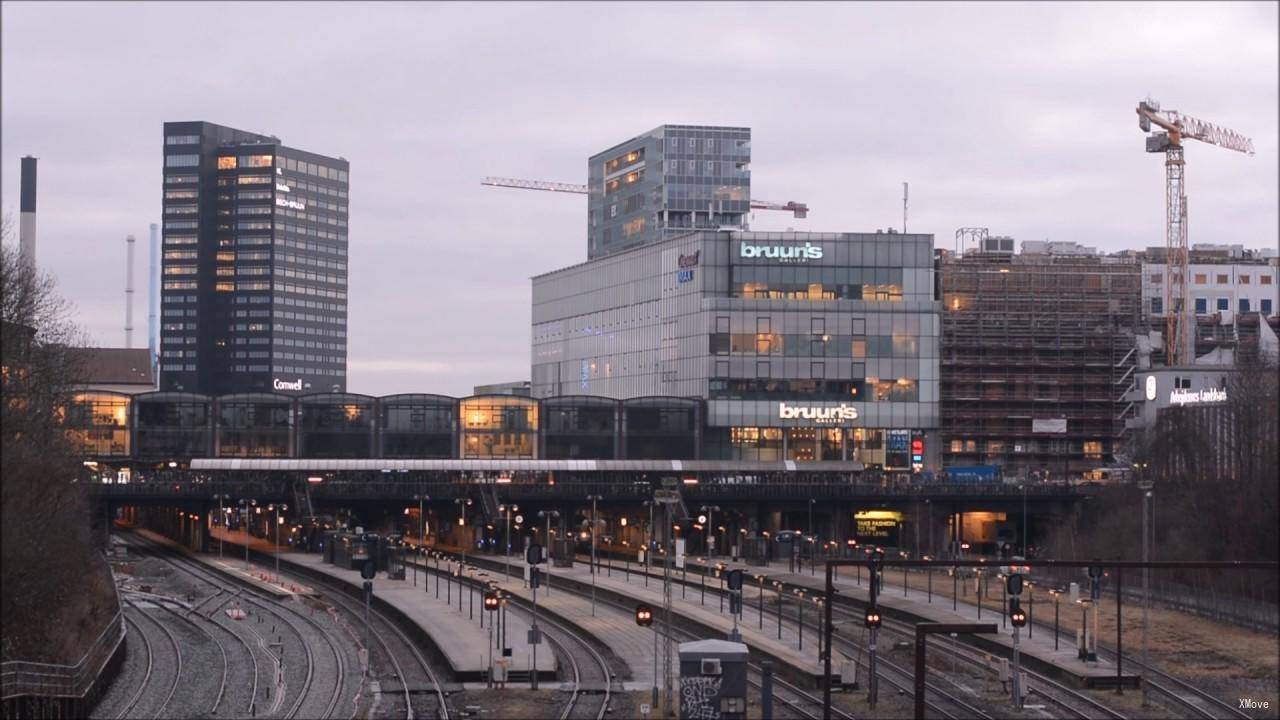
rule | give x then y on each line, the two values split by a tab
1179	329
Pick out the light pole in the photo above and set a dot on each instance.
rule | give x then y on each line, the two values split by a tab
929	506
760	605
548	514
1024	520
222	514
648	542
246	503
462	504
508	509
1147	498
279	521
777	588
811	502
800	613
710	510
593	499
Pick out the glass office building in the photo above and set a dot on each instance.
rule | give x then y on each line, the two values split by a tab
254	264
670	180
804	346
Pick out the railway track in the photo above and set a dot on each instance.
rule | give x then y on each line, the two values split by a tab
301	632
589	673
409	666
152	704
795	699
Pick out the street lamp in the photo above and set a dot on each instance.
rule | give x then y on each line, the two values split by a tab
462	504
593	499
222	513
508	509
279	520
648	540
246	503
710	510
548	514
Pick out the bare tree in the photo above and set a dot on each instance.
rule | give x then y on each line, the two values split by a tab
57	589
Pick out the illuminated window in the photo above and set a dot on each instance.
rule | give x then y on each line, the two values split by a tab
254	161
1093	450
225	271
181	210
180	270
179	254
225	287
180	285
957	446
226	256
180	194
226	163
253	179
633	227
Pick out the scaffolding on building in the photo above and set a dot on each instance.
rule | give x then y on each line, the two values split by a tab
1038	354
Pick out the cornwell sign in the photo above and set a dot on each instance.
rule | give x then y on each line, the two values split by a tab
820	415
279	384
784	253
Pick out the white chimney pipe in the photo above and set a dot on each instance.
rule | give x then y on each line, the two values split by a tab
128	294
152	294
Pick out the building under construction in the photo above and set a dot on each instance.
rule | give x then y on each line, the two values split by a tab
1037	355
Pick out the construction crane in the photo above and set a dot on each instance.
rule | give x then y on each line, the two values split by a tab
798	209
1178	127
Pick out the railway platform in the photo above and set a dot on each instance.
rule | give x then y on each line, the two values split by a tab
797	659
916	605
463	644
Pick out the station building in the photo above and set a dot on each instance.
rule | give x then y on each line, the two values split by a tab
803	346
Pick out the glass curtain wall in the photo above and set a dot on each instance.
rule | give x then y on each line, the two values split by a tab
97	424
338	425
254	425
580	427
173	425
661	428
499	426
417	426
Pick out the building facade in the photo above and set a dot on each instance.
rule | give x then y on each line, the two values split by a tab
254	264
1038	352
805	346
670	180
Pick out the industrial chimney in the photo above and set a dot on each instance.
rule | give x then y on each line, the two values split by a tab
27	209
128	294
153	281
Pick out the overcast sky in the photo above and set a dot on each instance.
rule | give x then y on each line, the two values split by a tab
1015	117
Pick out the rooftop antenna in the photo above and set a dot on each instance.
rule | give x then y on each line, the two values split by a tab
128	293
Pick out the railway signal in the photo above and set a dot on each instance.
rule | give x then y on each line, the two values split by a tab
872	619
644	615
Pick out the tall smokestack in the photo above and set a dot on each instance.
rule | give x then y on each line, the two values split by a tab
153	282
27	209
128	294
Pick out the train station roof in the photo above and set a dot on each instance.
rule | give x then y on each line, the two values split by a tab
502	465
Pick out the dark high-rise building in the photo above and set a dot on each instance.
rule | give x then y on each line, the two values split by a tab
666	182
254	290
